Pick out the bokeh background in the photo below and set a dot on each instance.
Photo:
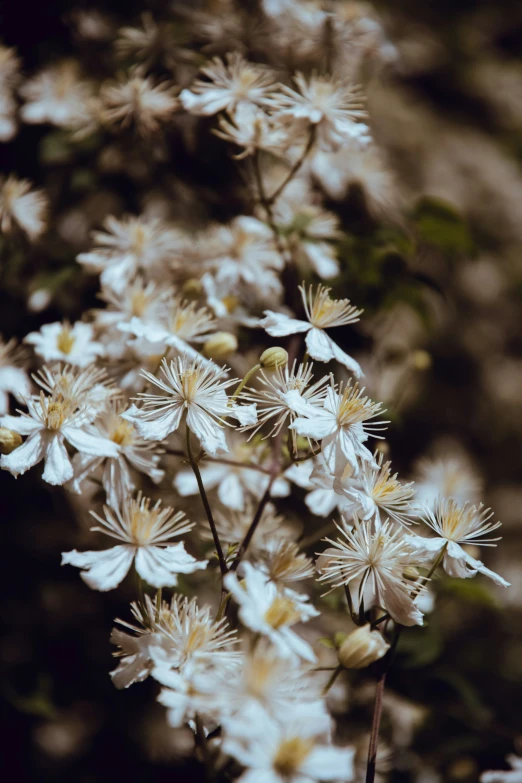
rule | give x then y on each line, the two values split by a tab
434	255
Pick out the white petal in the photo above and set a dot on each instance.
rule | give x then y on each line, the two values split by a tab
156	428
319	345
159	566
24	425
245	414
318	428
104	570
90	444
322	258
26	455
58	468
210	434
280	325
321	502
329	763
231	492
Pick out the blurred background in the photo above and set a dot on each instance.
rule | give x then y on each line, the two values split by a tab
433	252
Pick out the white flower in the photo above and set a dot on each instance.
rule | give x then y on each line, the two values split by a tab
375	491
90	388
267	610
128	246
147	301
229	85
178	634
133	452
370	560
252	129
145	531
22	207
322	313
138	101
455	525
195	389
13	378
285	750
60	96
188	694
245	256
342	426
277	684
334	108
193	637
514	775
51	421
182	322
235	483
283	563
282	395
452	477
62	342
310	230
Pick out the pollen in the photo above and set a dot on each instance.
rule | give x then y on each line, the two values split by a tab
281	612
124	433
323	311
65	340
291	754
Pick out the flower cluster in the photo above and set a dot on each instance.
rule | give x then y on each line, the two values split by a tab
133	409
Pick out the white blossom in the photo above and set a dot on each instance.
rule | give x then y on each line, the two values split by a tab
322	313
192	388
455	525
62	342
267	610
145	531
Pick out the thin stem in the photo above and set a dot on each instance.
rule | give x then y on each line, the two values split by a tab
267	206
295	168
217	543
253	526
332	679
275	469
241	385
225	598
158	604
376	723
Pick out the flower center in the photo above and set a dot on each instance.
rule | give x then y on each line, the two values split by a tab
123	434
65	340
291	754
281	612
138	303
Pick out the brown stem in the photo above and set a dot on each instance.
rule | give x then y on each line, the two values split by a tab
208	511
376	723
295	168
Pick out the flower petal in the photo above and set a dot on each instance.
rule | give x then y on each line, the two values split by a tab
26	455
281	325
160	566
104	570
58	468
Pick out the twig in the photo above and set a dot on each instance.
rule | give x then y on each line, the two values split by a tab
208	511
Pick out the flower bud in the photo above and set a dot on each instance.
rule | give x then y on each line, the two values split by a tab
273	358
362	647
192	288
9	440
421	360
219	345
